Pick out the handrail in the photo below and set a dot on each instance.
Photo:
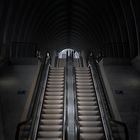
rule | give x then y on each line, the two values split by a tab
107	102
42	88
66	90
76	108
104	117
34	98
65	105
124	125
18	128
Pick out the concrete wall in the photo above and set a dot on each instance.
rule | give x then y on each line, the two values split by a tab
123	76
109	91
15	84
136	63
1	125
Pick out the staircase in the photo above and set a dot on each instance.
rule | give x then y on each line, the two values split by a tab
89	118
51	118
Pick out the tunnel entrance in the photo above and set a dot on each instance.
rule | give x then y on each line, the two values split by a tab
68	52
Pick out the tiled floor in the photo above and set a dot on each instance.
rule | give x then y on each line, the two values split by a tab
126	79
15	82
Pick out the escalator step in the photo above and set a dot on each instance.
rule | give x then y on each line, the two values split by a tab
53	101
91	129
56	76
55	80
84	84
82	75
82	79
89	118
90	124
87	99
55	83
50	128
88	103
86	94
52	111
85	90
51	106
51	134
51	122
54	89
89	112
56	73
51	116
53	93
91	136
88	79
84	87
88	108
53	97
55	86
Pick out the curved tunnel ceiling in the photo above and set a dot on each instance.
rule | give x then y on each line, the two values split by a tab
108	26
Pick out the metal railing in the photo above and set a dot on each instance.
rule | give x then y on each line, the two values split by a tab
25	130
65	106
118	129
104	116
76	107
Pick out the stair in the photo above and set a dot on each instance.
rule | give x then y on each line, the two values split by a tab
89	118
51	119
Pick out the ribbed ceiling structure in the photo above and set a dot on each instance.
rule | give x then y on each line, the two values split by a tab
108	26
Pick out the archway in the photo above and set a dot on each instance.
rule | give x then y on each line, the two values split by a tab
63	54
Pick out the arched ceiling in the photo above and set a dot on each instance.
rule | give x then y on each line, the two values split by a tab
110	26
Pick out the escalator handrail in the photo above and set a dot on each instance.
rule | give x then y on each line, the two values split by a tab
65	100
124	126
101	105
45	61
36	119
107	102
112	118
19	127
76	107
65	105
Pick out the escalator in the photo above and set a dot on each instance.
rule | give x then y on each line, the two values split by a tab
51	122
67	106
89	118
